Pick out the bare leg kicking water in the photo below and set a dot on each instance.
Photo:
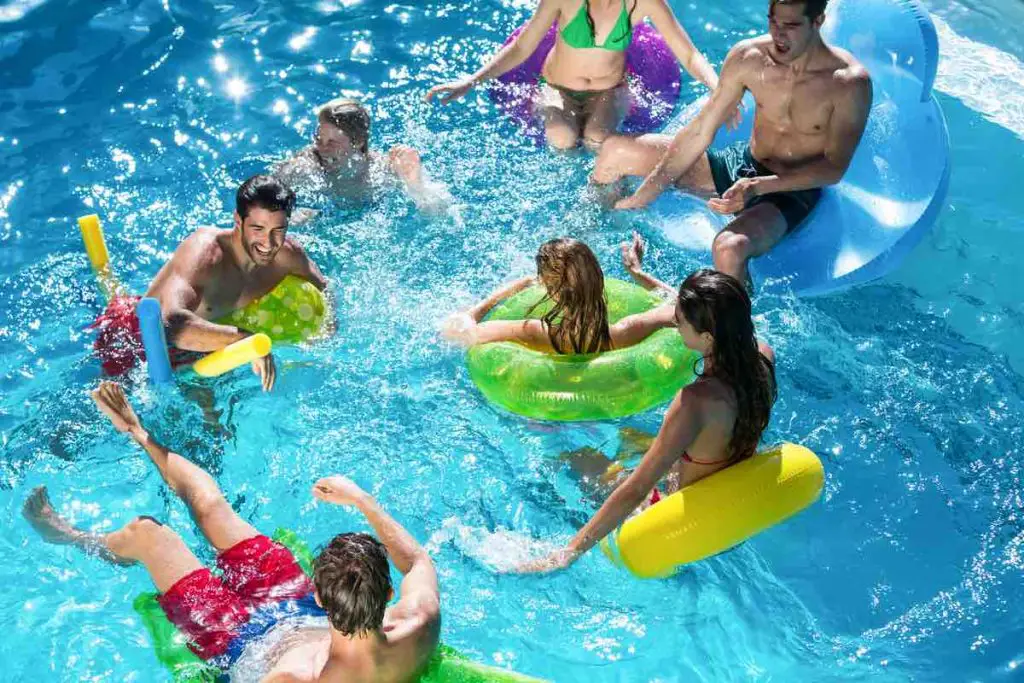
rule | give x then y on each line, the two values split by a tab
219	523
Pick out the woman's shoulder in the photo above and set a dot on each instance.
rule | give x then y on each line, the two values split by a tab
710	396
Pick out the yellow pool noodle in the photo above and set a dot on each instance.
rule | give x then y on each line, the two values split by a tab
718	512
233	355
95	246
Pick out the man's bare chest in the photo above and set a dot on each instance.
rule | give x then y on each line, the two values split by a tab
794	105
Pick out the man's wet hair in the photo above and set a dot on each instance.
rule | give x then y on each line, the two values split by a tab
265	192
351	118
353	581
812	8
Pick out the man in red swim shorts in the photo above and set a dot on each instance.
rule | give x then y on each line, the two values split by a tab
335	627
212	273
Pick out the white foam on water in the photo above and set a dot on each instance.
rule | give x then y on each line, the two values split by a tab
14	11
984	78
500	550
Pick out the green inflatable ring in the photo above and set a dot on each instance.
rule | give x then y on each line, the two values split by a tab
582	387
291	312
446	666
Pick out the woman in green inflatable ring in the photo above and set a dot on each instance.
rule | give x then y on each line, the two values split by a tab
578	346
576	323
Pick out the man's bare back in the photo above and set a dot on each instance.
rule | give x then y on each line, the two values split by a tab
307	654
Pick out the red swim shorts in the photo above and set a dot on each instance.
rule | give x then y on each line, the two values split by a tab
119	341
210	610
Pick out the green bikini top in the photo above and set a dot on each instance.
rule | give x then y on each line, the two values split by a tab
579	33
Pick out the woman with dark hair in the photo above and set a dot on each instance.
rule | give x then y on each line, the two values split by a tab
578	319
715	422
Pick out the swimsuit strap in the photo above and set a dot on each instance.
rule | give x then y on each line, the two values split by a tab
685	457
580	32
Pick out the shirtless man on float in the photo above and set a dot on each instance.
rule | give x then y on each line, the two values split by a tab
813	101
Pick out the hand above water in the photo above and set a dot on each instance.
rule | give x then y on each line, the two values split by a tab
339	490
735	198
405	162
459	328
264	367
111	401
633	254
446	92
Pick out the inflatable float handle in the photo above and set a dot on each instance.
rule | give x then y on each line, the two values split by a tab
233	355
930	40
151	324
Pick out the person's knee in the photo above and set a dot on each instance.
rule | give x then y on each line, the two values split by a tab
138	533
206	506
595	138
607	168
562	138
730	249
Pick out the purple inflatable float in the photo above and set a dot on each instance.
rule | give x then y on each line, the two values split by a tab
652	73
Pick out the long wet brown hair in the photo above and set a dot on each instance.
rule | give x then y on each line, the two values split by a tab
578	320
717	303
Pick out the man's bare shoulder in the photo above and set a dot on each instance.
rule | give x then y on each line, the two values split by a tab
747	58
291	250
298	167
847	72
203	248
753	50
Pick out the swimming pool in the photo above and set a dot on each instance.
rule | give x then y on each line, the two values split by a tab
911	389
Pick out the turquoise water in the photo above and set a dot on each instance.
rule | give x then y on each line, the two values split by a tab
911	389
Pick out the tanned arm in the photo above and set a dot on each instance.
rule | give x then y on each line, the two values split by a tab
696	136
508	58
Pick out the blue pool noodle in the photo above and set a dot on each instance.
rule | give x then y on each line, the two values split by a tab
151	324
896	184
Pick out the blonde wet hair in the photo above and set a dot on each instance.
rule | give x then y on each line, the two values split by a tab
578	321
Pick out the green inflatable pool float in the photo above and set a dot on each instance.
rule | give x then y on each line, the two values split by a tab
291	312
600	386
446	666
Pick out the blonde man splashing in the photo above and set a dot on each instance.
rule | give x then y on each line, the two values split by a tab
584	91
812	106
341	163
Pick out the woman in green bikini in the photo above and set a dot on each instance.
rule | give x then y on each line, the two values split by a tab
584	92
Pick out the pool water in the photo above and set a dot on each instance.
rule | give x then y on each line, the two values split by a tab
910	389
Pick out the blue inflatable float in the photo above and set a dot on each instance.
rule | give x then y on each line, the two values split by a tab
892	193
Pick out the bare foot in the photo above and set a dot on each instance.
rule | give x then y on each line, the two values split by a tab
45	520
111	401
55	529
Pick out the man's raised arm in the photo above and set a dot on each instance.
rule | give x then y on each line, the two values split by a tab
420	598
696	136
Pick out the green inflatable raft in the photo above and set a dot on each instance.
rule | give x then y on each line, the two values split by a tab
446	666
600	386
